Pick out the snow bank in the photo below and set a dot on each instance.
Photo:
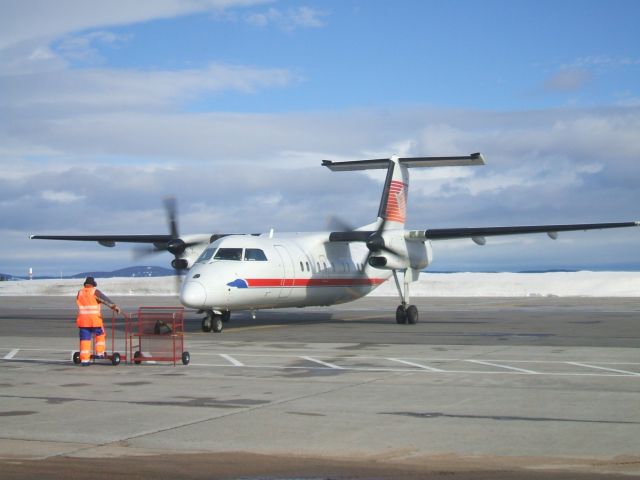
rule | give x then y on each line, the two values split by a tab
563	284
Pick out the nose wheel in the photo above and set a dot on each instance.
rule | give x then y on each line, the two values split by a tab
214	321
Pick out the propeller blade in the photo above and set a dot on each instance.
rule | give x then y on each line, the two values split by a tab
143	252
335	223
170	206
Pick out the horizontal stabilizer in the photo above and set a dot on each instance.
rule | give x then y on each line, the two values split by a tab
409	162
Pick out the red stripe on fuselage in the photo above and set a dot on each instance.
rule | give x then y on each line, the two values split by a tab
313	282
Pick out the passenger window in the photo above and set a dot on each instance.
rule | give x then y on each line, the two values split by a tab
301	267
307	263
228	254
254	255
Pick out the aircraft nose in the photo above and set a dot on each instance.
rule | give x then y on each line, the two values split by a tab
193	295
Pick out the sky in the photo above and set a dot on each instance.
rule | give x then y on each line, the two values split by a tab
106	108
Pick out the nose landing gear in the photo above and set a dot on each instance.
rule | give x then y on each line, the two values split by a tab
214	320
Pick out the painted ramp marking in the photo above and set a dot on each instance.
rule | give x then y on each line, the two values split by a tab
11	354
523	370
636	374
413	364
326	364
232	360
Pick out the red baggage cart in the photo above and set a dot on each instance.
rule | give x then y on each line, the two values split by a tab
156	334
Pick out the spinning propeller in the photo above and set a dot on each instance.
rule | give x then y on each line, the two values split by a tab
374	240
174	245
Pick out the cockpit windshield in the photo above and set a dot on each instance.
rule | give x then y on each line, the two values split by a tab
228	254
206	255
234	254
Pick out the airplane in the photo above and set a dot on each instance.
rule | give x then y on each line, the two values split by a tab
240	272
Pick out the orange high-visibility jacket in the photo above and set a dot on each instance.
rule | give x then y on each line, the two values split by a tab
89	309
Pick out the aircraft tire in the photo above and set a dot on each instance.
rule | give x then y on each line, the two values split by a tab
401	315
412	315
207	324
217	324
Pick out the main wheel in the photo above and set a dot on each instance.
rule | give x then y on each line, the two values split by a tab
401	315
217	323
115	359
186	358
137	355
76	358
412	315
207	324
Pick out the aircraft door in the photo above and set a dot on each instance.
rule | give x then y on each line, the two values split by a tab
288	271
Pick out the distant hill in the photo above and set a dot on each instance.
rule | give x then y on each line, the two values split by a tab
144	271
139	271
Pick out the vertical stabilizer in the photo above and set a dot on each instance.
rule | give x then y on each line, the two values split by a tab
393	204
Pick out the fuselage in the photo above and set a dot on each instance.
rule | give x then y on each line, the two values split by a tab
245	272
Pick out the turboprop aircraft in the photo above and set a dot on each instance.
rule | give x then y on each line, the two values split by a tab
231	272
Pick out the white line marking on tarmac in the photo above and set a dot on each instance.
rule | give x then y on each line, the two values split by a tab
523	370
603	368
326	364
232	360
413	364
502	364
11	354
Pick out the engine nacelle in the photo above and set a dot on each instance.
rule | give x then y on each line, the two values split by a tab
180	264
388	262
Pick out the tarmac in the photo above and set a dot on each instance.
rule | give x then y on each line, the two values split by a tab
479	388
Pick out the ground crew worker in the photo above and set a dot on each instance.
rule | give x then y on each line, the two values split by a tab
89	320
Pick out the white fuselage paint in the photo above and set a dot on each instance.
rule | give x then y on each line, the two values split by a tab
300	270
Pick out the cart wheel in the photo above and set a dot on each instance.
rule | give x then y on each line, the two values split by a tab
115	359
136	357
186	358
76	357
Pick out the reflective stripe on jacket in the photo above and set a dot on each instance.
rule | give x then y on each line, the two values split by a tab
89	309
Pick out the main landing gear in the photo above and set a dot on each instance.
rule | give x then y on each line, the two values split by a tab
405	314
214	320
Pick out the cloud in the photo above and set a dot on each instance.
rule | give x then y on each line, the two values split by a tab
602	61
82	47
301	17
110	89
60	196
569	79
55	19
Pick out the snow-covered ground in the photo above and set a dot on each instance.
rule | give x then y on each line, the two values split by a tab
564	284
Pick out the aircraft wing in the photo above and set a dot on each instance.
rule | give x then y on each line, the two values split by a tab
108	240
551	230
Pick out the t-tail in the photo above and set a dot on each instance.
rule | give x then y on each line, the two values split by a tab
392	213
